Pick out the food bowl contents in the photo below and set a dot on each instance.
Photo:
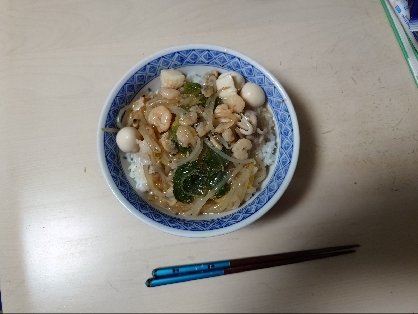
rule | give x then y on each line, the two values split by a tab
127	139
253	95
199	144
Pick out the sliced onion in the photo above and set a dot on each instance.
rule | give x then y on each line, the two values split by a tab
229	198
260	175
236	202
213	208
148	138
209	107
195	153
167	160
123	112
223	141
151	185
159	100
161	173
170	175
189	101
197	206
176	109
129	120
234	173
158	169
222	154
137	104
241	184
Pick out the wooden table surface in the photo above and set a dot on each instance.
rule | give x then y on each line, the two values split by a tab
68	245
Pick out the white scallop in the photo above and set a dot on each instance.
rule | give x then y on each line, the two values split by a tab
227	85
126	139
171	78
253	95
239	80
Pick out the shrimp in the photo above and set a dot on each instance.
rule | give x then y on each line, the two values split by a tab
235	102
160	117
224	117
228	135
241	148
186	136
222	110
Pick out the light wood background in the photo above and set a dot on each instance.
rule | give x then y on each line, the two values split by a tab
68	245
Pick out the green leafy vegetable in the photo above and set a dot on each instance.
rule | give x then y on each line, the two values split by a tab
192	88
197	177
215	161
195	89
172	131
188	181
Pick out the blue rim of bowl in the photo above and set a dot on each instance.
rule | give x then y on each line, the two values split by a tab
207	55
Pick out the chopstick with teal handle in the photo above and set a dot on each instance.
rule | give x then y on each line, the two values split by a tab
190	268
182	273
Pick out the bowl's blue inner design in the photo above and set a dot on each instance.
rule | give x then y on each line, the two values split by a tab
210	58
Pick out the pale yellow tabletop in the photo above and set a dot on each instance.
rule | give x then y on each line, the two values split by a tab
68	245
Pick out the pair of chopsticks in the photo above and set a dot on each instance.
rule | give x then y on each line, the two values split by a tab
182	273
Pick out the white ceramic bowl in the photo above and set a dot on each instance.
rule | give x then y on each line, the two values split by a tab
200	59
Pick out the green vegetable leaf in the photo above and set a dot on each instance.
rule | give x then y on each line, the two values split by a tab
196	178
172	131
192	88
215	161
188	181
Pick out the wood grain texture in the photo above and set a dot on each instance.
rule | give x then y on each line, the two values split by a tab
68	245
